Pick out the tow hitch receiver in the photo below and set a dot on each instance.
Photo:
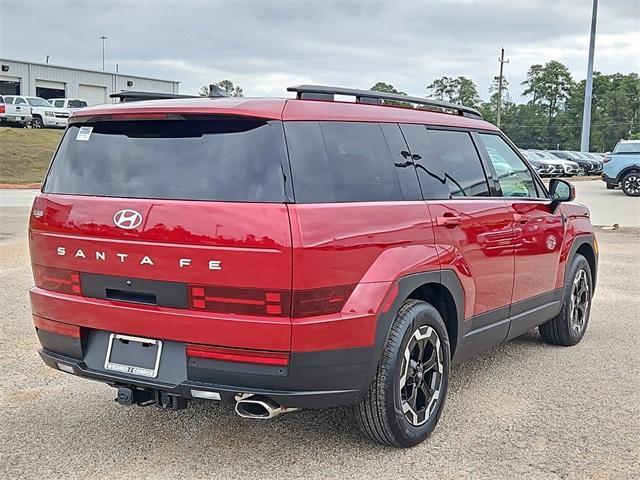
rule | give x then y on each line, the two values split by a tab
132	396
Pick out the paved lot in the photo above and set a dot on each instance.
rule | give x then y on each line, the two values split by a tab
522	410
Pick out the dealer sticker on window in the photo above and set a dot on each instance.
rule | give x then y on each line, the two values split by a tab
84	134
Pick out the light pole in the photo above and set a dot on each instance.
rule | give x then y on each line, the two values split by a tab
499	108
104	40
586	114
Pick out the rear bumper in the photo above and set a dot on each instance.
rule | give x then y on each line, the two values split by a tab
311	379
605	178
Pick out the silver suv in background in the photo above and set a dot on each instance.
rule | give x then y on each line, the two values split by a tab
559	166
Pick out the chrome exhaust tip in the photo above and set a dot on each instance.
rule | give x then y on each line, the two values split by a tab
258	407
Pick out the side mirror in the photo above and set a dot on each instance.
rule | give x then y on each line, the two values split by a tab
561	191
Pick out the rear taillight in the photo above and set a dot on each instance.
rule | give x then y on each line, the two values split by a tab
57	279
2	108
56	327
320	301
238	355
241	301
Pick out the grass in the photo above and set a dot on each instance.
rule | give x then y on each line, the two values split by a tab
25	154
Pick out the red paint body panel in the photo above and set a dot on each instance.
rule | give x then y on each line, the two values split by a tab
287	109
479	250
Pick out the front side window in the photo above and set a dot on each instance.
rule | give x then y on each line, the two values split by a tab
463	169
341	162
515	178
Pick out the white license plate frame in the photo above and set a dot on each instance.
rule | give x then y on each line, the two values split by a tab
132	369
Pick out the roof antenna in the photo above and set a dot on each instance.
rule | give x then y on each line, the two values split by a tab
216	91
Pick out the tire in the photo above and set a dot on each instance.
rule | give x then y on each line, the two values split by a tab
582	171
630	184
570	325
381	414
610	186
37	122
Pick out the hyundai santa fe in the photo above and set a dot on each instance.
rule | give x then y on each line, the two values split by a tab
280	254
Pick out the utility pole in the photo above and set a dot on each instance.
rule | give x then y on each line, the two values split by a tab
104	40
499	109
586	115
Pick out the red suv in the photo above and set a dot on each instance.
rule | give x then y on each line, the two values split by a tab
298	253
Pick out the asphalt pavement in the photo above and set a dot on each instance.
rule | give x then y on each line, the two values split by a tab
522	410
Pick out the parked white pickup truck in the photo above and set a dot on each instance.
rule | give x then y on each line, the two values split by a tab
14	114
44	115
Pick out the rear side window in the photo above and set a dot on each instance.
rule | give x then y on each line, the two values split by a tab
218	159
463	169
341	162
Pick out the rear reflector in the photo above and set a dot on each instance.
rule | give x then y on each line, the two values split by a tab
240	301
56	327
206	395
57	279
320	301
238	355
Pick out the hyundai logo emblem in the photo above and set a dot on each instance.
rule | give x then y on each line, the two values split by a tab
127	219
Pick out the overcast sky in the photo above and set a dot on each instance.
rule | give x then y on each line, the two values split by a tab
265	46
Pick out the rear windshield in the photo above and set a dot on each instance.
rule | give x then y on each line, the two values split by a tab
77	104
226	160
627	147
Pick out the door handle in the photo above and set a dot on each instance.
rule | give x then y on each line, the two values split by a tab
448	220
519	218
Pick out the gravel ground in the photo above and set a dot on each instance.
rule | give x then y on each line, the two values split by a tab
522	410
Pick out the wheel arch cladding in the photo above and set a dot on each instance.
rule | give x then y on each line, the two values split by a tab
440	288
626	170
585	246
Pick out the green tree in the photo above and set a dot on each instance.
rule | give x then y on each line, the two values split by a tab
388	88
226	85
461	90
550	85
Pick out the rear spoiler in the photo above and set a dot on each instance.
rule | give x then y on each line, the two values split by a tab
131	96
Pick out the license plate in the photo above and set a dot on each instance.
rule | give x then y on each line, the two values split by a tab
133	355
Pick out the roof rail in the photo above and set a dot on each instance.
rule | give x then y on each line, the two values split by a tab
322	92
132	96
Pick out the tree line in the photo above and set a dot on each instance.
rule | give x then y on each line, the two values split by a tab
551	117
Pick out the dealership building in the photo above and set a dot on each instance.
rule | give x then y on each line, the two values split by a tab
53	81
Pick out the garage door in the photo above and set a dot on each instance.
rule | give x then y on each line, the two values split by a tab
92	94
9	85
47	89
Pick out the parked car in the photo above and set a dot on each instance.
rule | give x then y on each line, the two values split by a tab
541	167
622	167
14	114
279	254
560	166
44	115
586	166
68	103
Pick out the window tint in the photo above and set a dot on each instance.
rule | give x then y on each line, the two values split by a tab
59	103
514	176
405	168
228	160
341	162
20	101
77	104
464	173
430	171
8	100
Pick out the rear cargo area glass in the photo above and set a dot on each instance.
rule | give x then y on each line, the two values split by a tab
226	160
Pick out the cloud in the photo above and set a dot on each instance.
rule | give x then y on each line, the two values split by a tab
264	46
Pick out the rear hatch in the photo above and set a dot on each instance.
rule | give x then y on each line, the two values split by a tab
172	227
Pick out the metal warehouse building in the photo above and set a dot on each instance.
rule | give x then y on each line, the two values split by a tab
51	81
